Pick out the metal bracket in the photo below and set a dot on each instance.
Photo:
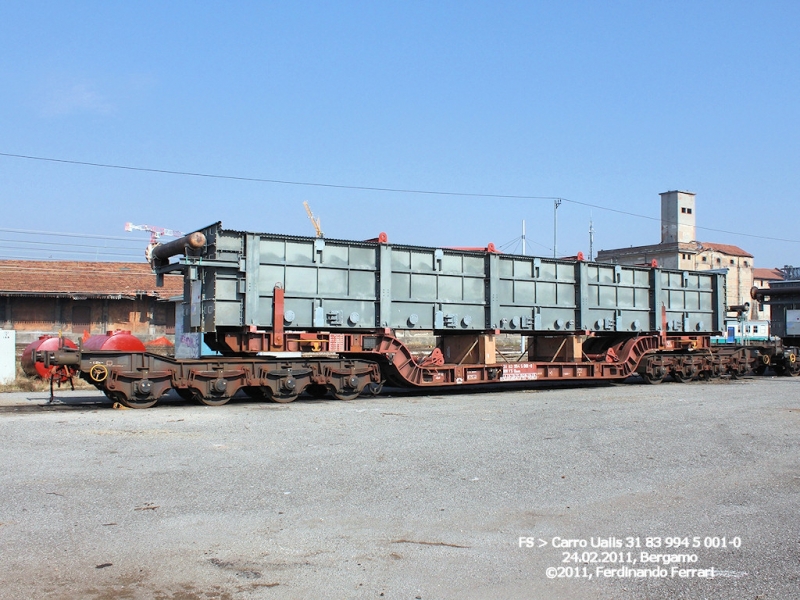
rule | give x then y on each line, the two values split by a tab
319	246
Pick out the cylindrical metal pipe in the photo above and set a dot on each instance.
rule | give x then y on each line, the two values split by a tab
193	240
64	356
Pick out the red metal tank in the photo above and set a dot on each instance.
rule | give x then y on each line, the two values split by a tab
115	340
46	343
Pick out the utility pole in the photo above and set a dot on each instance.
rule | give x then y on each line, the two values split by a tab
556	204
591	238
523	237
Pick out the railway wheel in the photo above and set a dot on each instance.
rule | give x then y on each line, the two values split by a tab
792	366
652	378
762	364
197	396
349	387
288	389
706	374
347	394
679	376
132	402
683	372
212	400
738	370
284	396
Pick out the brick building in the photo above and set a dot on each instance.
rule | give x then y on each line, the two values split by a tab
47	297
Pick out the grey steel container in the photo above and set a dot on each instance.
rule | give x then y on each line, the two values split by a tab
349	285
784	303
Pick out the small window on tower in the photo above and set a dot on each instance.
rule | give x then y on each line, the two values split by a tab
689	211
683	209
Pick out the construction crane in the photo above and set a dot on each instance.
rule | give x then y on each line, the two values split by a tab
155	234
314	220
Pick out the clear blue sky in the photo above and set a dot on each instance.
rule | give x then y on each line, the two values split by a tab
604	103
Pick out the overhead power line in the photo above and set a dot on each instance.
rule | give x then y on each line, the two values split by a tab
128	239
62	257
103	251
374	189
57	246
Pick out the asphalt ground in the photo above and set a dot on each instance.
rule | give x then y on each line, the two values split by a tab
407	496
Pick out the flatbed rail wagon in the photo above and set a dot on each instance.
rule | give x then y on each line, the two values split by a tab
291	314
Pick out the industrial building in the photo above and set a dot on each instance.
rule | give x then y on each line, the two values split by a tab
84	298
680	249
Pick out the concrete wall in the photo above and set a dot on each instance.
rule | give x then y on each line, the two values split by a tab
677	217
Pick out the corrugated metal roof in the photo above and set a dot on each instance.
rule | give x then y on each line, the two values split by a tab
84	279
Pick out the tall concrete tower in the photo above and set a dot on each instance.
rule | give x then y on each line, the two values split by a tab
677	217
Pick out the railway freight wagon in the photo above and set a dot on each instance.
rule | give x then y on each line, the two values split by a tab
783	298
296	314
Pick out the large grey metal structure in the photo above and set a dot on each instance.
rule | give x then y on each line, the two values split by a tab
292	315
335	285
783	298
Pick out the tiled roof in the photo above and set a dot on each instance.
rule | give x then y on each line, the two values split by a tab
770	274
91	279
724	249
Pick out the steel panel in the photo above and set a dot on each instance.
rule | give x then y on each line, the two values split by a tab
520	292
422	261
401	286
298	253
301	280
423	287
332	283
410	315
362	285
327	282
793	322
269	276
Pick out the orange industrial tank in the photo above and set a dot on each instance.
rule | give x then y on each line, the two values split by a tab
46	343
115	340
